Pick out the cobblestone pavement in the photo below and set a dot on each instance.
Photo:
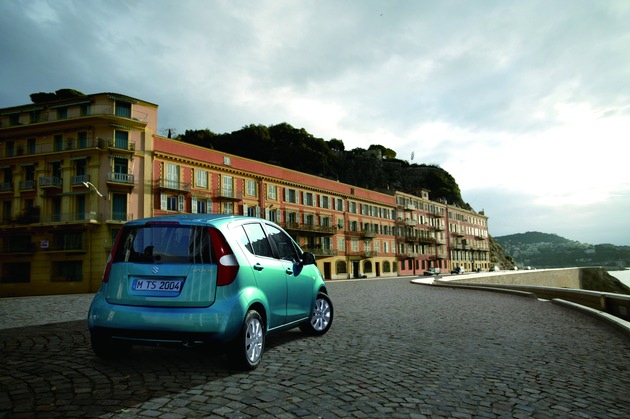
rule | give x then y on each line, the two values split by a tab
395	349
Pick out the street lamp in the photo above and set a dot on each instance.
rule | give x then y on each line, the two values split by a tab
90	184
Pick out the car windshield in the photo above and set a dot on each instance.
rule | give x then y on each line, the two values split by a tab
160	243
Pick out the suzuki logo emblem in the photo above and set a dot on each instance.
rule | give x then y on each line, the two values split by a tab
155	269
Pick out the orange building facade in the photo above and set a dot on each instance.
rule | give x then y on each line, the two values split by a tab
73	171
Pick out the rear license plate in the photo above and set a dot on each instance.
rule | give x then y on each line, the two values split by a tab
160	285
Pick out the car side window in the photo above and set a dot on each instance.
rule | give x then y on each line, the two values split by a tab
283	242
255	240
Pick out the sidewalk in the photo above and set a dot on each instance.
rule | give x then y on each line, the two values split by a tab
32	311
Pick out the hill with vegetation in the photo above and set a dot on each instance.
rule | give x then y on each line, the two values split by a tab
376	167
544	250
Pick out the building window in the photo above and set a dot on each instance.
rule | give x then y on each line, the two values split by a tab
228	208
122	140
119	207
201	179
123	109
250	186
62	113
85	110
58	143
31	147
67	240
227	187
386	267
341	267
290	196
200	206
82	139
172	176
67	271
308	199
16	272
272	192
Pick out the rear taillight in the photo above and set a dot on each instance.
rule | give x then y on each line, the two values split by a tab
110	259
227	266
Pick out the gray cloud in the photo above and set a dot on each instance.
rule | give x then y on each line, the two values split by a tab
462	84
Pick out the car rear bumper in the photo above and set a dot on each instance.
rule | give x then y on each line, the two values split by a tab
217	323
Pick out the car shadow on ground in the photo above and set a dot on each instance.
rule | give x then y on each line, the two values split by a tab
52	369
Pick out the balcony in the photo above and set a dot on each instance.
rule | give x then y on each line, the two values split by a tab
50	182
424	238
79	179
309	228
368	234
172	185
119	217
227	195
27	185
132	117
124	178
320	252
120	145
71	218
68	144
6	187
67	247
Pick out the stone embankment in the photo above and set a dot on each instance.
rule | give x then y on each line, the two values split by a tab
593	279
589	289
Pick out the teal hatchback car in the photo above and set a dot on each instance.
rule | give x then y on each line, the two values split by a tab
197	279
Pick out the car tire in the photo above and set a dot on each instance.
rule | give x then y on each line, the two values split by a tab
105	347
321	316
246	350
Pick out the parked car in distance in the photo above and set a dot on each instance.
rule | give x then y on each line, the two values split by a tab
458	270
432	271
199	279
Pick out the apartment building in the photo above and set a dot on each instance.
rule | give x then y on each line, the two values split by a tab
350	229
72	171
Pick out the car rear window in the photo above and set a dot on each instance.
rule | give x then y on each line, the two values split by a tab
159	243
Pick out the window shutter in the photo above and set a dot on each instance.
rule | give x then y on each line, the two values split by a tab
193	204
180	203
163	201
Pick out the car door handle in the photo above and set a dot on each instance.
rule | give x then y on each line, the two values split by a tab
258	267
289	271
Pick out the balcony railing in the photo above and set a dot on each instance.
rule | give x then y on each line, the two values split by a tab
120	217
50	182
120	177
305	227
320	252
228	194
6	187
74	112
174	185
79	179
71	217
26	185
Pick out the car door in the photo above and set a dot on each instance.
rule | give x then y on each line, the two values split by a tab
299	283
269	272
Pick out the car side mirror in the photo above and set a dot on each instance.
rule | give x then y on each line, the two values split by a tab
308	258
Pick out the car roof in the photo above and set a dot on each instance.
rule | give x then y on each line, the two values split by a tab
190	219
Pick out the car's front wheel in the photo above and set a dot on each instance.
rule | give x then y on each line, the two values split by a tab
321	317
247	349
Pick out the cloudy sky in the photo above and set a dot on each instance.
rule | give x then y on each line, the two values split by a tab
526	103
